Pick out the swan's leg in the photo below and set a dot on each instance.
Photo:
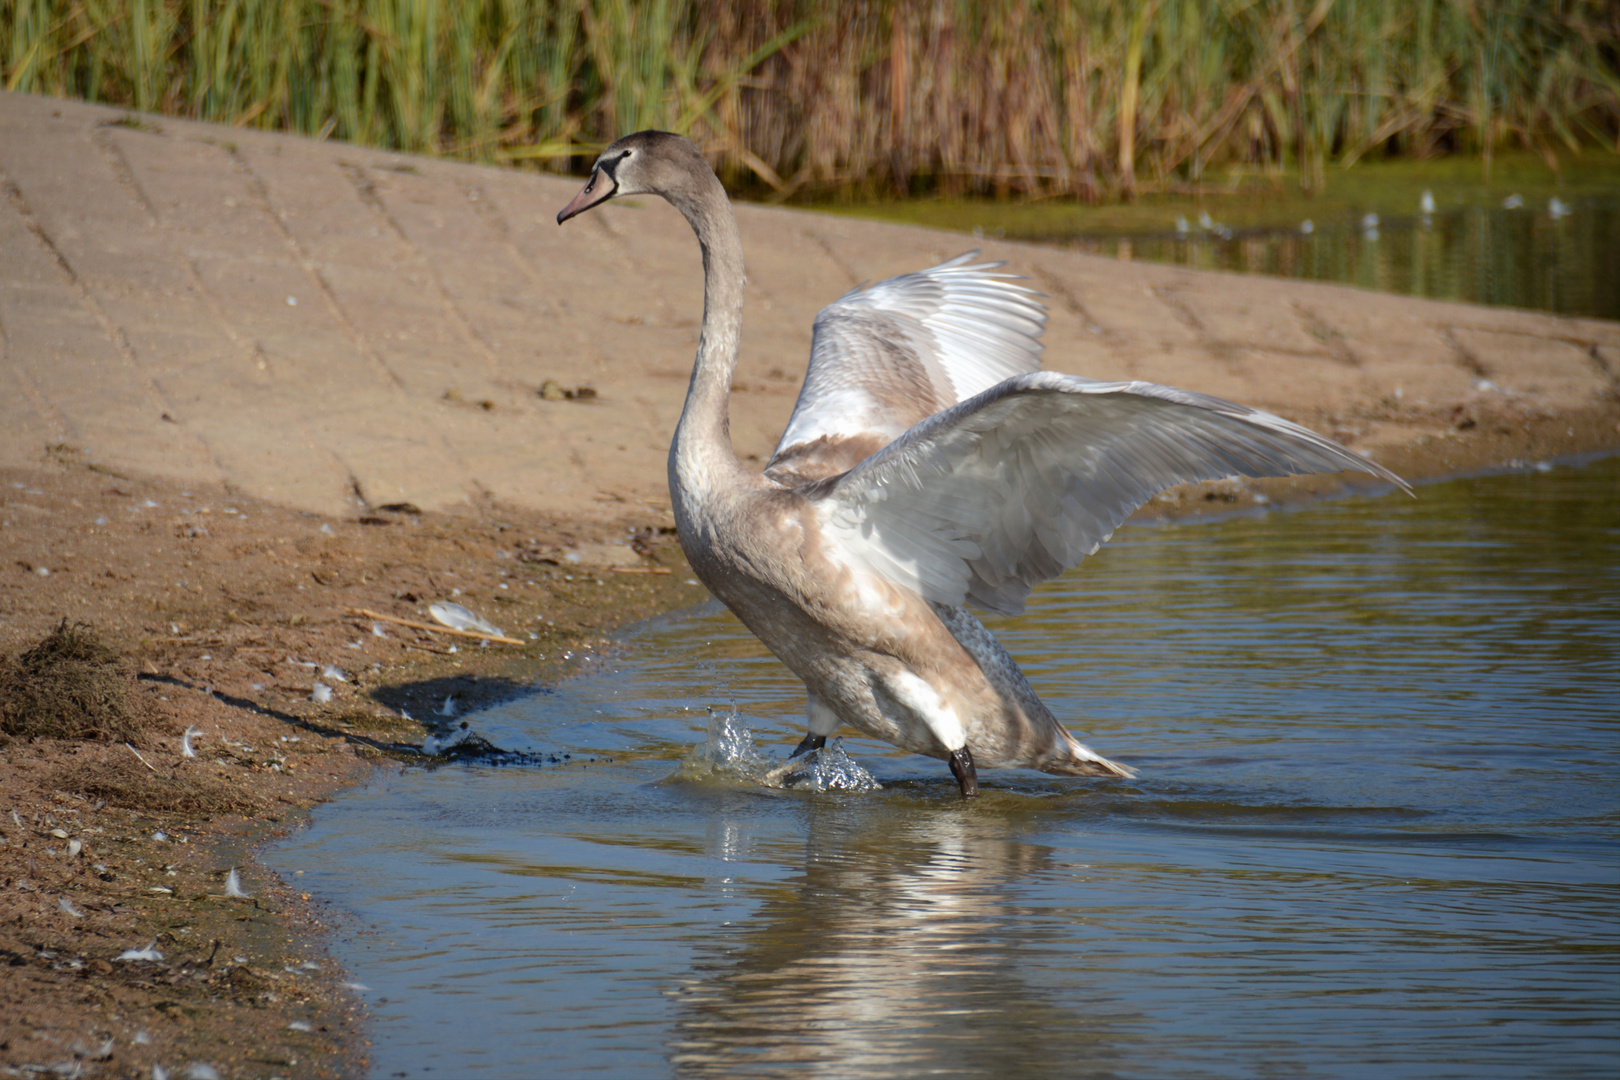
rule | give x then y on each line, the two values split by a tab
822	722
929	706
966	775
809	743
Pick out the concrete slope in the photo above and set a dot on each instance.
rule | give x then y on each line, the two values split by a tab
335	328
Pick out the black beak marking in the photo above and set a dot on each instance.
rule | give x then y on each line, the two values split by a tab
587	197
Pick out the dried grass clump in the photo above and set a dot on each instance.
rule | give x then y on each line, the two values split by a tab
123	780
69	686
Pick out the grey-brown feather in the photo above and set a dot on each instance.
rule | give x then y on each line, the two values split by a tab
1037	472
927	463
1034	737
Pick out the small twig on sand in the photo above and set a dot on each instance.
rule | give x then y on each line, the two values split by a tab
427	648
638	570
143	761
368	613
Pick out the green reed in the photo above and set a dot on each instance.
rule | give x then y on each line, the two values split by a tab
1091	98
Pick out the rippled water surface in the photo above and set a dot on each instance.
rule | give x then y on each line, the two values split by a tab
1521	235
1374	834
1524	257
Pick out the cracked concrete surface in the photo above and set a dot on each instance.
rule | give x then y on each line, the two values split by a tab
335	328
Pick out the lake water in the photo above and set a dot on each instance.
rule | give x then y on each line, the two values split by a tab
1522	235
1520	256
1374	834
1486	255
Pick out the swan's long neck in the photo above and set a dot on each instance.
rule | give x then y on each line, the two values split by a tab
701	459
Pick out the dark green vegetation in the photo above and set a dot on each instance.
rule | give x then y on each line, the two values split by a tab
1094	99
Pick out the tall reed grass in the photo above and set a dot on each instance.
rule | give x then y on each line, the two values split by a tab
1090	98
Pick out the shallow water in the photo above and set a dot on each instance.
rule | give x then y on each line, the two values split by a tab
1375	831
1525	237
1521	257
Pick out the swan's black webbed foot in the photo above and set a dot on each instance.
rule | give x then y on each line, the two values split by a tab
966	775
811	742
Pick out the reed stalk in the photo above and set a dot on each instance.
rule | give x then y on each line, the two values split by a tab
1086	98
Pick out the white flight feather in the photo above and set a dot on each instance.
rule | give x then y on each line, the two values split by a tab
965	326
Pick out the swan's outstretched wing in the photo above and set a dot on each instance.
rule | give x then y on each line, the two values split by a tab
1016	485
887	356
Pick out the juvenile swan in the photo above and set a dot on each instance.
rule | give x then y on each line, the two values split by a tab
928	464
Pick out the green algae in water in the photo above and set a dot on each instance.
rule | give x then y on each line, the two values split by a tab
1526	237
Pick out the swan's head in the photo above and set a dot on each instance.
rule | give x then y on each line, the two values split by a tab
646	163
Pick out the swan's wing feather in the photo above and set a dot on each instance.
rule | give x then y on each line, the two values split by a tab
1012	487
887	356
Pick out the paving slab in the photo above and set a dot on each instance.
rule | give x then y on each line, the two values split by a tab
336	328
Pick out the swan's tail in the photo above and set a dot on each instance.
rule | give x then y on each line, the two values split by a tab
1082	760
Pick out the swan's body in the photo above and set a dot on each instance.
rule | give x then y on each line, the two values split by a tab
928	463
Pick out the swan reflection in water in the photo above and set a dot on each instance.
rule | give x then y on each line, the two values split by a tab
896	950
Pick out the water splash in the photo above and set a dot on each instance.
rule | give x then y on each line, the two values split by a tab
830	769
728	755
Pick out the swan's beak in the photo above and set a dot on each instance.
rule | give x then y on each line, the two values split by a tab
599	189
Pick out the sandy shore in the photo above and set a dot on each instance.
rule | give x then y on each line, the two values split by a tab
255	384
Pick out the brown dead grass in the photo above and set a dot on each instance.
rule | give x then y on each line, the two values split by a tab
122	779
70	685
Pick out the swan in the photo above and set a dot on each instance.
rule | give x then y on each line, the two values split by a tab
928	464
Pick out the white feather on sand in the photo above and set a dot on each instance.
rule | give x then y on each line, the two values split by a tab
233	886
149	953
